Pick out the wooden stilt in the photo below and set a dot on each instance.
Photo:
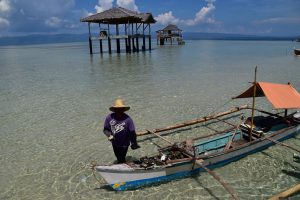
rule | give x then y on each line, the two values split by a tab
109	45
101	47
137	38
133	45
137	44
91	45
144	39
149	38
109	40
129	44
118	40
90	40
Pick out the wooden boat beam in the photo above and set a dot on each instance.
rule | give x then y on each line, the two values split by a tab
287	193
195	121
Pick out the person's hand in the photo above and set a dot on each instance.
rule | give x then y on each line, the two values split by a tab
135	146
111	138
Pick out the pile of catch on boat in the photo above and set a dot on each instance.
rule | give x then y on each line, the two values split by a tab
176	160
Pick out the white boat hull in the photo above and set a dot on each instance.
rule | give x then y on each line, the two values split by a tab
122	176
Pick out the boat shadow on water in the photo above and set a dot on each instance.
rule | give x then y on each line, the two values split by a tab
209	191
295	173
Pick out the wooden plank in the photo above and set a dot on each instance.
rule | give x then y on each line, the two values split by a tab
192	122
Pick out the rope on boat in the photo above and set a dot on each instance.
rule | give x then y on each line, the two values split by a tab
93	167
218	107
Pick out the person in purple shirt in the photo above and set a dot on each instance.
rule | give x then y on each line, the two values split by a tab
120	130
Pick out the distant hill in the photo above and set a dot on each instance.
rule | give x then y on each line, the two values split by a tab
64	38
225	36
42	39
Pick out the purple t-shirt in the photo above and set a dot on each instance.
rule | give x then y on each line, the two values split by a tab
120	128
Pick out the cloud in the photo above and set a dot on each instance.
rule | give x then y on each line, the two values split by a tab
4	23
4	6
107	4
104	5
202	16
166	18
53	22
36	16
278	20
129	4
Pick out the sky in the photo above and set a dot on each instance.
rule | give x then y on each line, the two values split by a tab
249	17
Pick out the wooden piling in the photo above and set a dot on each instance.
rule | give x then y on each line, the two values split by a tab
90	45
149	37
144	39
137	44
90	40
129	44
118	40
133	45
101	47
109	45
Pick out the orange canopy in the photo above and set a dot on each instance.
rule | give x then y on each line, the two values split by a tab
281	96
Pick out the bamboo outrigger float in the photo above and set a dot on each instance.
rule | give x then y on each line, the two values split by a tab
205	153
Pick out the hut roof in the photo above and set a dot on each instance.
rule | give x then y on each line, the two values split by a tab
119	15
171	27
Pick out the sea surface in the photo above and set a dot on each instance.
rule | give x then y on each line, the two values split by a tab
54	98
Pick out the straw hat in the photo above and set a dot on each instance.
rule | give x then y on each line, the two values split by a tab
119	104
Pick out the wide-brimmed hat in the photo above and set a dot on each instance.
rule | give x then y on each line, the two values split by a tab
119	104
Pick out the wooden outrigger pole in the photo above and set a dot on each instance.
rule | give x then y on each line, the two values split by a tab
195	121
253	105
287	193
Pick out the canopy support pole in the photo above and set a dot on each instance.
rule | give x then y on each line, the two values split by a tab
285	112
253	103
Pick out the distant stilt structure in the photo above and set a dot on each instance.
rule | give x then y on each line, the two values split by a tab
132	22
168	35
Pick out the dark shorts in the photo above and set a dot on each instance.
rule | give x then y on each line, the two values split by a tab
120	153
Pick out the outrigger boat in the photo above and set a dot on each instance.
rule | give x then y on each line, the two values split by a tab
208	152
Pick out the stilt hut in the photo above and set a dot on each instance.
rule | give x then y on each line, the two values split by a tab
135	25
169	34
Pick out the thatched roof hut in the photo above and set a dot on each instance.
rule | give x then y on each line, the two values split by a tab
119	15
171	27
169	33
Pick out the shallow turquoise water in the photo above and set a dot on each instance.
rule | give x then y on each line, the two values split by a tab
53	100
